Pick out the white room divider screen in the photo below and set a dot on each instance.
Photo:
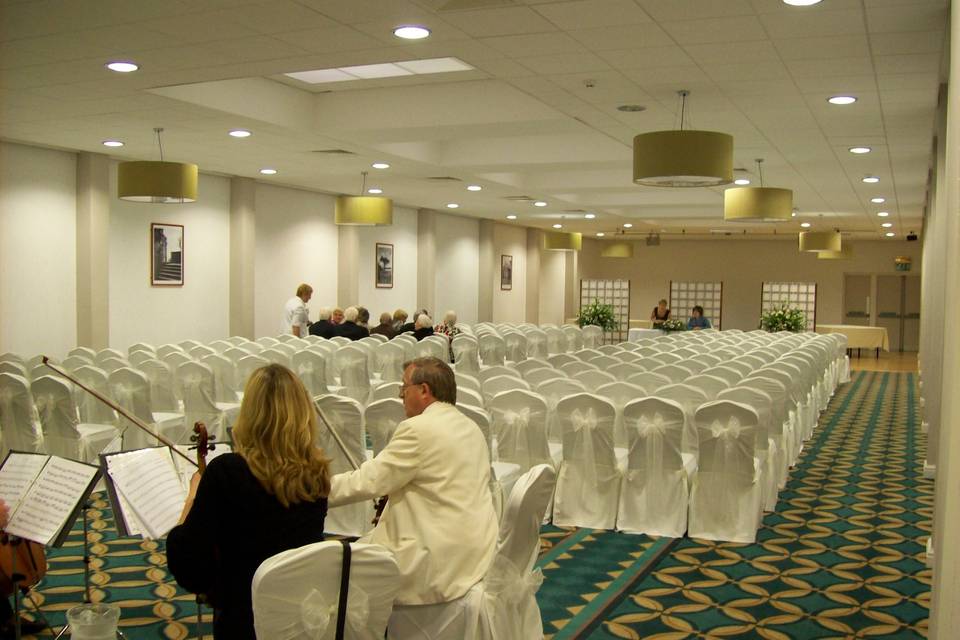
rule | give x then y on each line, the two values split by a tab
709	295
615	293
802	295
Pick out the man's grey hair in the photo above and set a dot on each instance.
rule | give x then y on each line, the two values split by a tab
423	321
437	375
350	314
324	313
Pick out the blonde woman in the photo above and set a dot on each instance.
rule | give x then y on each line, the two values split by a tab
268	496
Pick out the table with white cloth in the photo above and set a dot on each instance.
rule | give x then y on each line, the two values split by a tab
637	334
859	336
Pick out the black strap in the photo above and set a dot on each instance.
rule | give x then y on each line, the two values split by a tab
344	589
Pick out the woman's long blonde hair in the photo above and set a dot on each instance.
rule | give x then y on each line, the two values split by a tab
276	434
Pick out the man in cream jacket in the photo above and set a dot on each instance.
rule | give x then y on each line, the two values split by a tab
439	521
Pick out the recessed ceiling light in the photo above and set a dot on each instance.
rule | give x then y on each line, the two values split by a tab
590	216
805	225
452	205
883	214
380	165
375	190
474	187
871	179
859	150
886	225
631	108
627	225
741	181
539	203
268	171
511	217
112	143
411	32
600	234
878	200
889	234
842	99
801	3
240	133
558	226
793	214
122	66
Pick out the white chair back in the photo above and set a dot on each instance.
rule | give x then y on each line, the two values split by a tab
354	375
592	336
385	391
91	409
519	422
310	365
390	357
19	424
224	376
516	346
381	418
499	384
345	415
162	386
63	435
649	381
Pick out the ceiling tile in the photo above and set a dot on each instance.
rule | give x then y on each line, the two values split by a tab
623	37
584	14
717	30
695	9
328	39
671	56
832	67
501	21
813	23
908	63
561	62
851	46
907	42
909	17
534	44
756	51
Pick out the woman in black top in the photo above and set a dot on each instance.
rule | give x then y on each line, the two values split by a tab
659	314
267	497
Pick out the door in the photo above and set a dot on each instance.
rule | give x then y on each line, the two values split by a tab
911	314
889	307
856	299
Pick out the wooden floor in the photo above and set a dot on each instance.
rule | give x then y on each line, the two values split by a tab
868	361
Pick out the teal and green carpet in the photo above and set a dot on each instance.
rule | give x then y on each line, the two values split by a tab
842	556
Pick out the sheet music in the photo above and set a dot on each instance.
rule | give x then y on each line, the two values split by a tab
50	501
150	484
129	516
16	476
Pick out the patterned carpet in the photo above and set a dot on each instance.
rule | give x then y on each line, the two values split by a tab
843	555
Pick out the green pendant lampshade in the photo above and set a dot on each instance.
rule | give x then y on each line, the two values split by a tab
617	250
363	210
820	241
562	241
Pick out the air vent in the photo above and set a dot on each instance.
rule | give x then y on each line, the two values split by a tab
574	210
444	179
335	152
519	198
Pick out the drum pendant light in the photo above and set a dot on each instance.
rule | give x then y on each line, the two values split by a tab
757	204
617	250
683	157
363	210
562	241
845	253
158	182
820	241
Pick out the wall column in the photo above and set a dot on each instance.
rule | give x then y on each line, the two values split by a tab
426	261
486	272
93	250
243	213
571	286
348	275
534	247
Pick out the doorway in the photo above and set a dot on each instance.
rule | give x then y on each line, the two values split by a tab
898	309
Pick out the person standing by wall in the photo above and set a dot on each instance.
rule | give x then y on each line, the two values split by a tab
296	315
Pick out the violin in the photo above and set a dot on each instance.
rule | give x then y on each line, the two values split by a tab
203	443
29	559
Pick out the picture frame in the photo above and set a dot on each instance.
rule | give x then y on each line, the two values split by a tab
506	273
383	265
166	254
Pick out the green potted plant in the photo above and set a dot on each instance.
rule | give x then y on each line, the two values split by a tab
673	324
597	314
783	318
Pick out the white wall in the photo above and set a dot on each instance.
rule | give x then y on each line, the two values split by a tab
38	250
510	306
458	267
403	236
199	310
553	274
296	241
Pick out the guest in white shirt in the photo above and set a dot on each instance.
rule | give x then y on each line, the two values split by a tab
439	521
296	315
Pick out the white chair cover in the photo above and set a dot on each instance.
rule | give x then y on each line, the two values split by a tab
499	384
93	411
197	385
731	376
310	365
106	354
466	355
354	375
649	381
689	398
19	423
162	395
492	349
536	343
619	394
592	379
765	448
654	495
465	381
381	418
63	434
530	364
537	376
386	391
560	359
710	385
573	368
83	352
434	346
516	345
201	352
274	355
130	389
604	362
346	416
675	372
624	370
588	486
498	370
519	426
574	337
224	376
553	391
556	340
71	363
725	499
296	592
592	336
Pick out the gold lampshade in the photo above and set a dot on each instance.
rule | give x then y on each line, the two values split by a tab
683	158
845	253
562	241
757	204
157	181
820	241
363	210
617	250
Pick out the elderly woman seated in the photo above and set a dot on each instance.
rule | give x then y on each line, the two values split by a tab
423	327
449	325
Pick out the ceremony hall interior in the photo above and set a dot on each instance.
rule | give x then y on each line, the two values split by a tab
502	171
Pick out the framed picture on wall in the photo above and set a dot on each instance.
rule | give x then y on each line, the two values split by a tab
384	265
166	255
506	273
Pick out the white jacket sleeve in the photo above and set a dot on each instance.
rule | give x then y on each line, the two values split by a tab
393	468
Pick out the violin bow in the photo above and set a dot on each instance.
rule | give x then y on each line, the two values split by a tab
123	412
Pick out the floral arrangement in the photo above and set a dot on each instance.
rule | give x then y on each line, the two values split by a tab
783	318
597	314
673	324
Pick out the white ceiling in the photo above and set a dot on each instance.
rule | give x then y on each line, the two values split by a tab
537	117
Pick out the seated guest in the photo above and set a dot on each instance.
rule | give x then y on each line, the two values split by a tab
412	325
659	314
268	496
336	316
349	327
363	318
449	325
385	328
439	521
323	327
399	319
423	327
697	321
